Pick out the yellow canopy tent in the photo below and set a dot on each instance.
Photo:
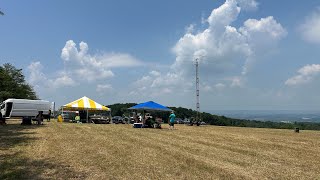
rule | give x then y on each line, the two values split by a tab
84	103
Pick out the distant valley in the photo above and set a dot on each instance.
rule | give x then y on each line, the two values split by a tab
271	115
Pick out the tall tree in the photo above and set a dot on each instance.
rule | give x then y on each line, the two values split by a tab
13	84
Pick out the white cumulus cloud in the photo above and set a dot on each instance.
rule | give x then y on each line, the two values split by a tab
91	67
224	52
222	47
63	80
248	4
80	67
305	74
36	75
268	26
38	78
310	28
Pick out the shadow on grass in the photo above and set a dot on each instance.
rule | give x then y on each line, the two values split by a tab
15	165
12	135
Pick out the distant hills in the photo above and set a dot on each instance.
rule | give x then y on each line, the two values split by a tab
273	115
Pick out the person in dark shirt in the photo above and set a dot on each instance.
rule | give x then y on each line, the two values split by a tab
39	117
2	119
49	116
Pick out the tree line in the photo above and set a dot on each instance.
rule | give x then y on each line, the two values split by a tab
180	112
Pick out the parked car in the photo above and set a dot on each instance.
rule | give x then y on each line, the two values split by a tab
98	119
125	120
186	121
65	115
179	121
117	120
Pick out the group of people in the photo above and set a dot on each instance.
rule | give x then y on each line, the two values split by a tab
39	119
151	122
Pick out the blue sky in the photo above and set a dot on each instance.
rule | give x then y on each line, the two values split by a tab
254	54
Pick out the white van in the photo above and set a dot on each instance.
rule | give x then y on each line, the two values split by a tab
24	108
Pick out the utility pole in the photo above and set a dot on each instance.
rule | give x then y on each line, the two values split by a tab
198	117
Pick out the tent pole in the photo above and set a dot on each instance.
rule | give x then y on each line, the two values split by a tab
143	118
110	116
87	115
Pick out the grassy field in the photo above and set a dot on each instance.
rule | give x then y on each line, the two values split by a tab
114	151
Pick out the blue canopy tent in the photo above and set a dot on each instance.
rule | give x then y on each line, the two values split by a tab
150	105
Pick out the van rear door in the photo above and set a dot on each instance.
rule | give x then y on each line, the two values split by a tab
8	108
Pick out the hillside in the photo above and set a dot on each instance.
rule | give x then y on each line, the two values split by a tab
110	151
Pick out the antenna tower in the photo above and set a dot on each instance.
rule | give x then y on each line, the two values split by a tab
198	117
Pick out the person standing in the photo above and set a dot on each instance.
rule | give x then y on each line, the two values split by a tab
172	118
49	115
2	119
39	117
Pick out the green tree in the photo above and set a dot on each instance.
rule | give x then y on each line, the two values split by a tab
13	84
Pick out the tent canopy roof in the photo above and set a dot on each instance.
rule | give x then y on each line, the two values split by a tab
85	103
150	105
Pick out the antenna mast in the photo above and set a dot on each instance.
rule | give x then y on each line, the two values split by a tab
198	118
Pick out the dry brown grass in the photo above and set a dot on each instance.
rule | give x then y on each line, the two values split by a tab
91	151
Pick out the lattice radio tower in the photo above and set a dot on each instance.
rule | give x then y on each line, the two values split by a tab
198	117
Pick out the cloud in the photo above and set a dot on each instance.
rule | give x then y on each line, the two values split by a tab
63	80
38	78
155	73
156	84
92	74
224	52
223	48
310	28
94	67
190	28
80	67
248	4
305	75
70	52
220	86
103	88
210	88
237	82
36	74
262	33
224	15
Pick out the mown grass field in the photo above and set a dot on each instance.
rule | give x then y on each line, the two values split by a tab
114	151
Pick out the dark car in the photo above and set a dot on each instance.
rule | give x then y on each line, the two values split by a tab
203	123
100	119
117	119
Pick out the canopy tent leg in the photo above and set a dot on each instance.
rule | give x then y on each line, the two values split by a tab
110	116
88	116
